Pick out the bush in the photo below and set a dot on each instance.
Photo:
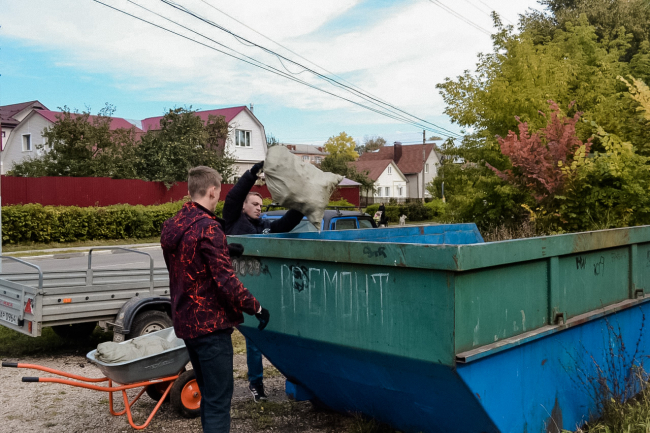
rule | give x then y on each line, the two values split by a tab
43	224
437	208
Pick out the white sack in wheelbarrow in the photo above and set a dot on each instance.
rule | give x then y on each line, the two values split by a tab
298	185
133	349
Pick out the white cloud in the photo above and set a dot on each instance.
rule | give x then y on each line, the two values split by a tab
399	58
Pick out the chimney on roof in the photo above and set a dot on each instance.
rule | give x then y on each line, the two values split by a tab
251	107
397	151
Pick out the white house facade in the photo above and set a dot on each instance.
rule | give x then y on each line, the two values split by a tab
391	183
247	140
23	141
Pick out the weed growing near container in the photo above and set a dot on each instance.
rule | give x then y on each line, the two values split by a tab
618	388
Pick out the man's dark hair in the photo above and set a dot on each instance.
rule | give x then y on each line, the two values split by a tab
200	179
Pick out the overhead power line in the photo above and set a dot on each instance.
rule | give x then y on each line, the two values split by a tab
280	57
461	17
287	48
254	62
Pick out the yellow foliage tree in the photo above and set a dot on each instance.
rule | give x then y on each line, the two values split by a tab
341	146
640	92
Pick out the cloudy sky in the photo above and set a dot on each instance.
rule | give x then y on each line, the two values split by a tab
81	54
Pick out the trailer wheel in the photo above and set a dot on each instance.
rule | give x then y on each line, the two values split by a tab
185	395
148	322
75	331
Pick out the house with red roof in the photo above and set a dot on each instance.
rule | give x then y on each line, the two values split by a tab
22	126
25	131
246	140
400	166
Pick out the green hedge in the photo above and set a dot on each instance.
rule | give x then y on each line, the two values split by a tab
43	224
414	211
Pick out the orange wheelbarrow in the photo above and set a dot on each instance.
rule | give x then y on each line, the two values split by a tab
162	376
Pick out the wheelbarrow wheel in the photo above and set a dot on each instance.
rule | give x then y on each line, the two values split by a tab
185	395
156	391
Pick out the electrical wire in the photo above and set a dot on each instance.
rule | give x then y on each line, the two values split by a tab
287	48
280	57
491	10
461	17
258	64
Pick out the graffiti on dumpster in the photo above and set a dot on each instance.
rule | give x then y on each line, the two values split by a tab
381	251
245	267
580	262
599	267
352	295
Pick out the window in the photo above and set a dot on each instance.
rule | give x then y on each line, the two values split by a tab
378	192
388	191
305	158
364	224
242	138
27	143
318	160
399	191
345	224
426	168
390	169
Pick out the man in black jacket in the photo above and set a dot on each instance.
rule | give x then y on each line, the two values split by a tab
241	212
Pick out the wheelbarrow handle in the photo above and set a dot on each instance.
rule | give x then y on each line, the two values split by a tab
10	364
31	379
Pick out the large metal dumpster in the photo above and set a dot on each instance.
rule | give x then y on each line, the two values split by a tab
430	329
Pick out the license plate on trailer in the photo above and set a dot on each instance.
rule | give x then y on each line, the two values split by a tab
8	317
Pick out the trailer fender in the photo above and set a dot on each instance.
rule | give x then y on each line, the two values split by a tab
134	306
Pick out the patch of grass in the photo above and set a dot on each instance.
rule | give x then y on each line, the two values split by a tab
41	253
271	371
239	374
263	414
16	345
361	424
630	417
96	243
238	343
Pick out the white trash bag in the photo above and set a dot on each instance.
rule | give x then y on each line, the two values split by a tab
297	185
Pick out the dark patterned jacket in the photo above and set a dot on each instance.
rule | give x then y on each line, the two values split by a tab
206	295
238	223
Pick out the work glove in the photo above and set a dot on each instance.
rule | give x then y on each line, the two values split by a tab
263	316
235	250
256	168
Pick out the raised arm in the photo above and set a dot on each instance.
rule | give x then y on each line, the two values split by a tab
287	223
235	198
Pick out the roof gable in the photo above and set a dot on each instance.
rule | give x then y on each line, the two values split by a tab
374	167
7	112
411	160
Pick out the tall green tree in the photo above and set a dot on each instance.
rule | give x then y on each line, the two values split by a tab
182	142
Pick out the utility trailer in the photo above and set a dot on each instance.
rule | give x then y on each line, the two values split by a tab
132	302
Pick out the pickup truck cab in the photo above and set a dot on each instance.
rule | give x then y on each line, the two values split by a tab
334	219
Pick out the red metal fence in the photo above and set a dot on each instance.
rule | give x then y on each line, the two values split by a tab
103	191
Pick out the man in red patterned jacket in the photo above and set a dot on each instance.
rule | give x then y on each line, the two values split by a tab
207	298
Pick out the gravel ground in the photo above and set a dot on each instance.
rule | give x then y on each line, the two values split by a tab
49	407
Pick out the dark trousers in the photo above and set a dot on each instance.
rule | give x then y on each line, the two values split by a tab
254	362
211	357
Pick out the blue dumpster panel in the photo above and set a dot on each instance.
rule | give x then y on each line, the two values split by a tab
415	395
546	381
454	234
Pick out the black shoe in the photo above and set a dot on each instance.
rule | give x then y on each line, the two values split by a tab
258	392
